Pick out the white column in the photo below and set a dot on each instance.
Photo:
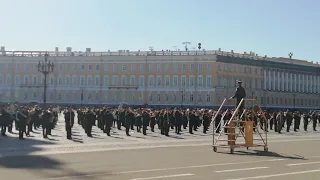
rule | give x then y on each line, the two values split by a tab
291	80
283	80
299	82
313	84
307	83
278	79
295	82
286	88
274	80
318	84
264	79
270	79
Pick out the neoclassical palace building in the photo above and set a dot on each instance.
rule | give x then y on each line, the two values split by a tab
167	78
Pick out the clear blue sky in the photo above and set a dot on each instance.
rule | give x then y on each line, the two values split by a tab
272	27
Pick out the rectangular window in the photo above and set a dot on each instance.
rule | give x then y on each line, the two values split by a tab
123	80
191	67
34	80
191	81
124	67
167	81
141	81
200	81
17	80
74	80
208	81
166	67
150	67
8	80
175	67
141	67
114	80
89	81
132	81
183	67
26	80
151	83
106	81
159	81
115	67
82	81
183	81
133	67
97	80
175	81
67	80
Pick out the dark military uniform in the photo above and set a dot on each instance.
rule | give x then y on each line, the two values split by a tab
240	93
90	121
107	118
22	122
69	120
5	119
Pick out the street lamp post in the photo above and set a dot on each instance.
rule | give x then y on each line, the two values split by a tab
182	90
45	68
82	89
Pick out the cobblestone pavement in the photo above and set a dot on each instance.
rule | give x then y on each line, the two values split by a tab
58	142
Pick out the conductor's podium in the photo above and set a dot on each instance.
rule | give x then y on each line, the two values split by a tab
241	128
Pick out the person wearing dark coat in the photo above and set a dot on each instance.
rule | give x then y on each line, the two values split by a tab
138	122
166	123
5	119
206	122
46	124
177	121
69	120
121	119
192	121
108	121
240	93
129	118
145	122
22	117
91	118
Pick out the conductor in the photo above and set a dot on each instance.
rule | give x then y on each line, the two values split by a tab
240	93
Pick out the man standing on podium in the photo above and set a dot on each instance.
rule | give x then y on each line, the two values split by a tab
240	93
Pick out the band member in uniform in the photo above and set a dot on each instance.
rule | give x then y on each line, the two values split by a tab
22	121
108	121
177	121
240	93
91	118
5	119
145	122
46	124
128	119
69	120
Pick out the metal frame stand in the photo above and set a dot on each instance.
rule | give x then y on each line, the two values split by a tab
241	126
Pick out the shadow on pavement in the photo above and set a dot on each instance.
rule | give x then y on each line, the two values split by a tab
260	153
16	154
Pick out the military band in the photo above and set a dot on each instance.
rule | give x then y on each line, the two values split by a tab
143	120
